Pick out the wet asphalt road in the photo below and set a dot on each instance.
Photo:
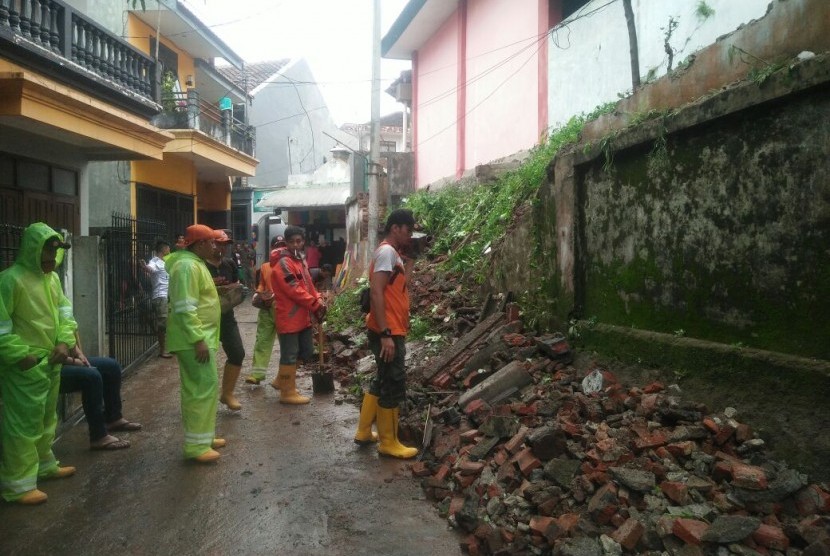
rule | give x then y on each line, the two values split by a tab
290	481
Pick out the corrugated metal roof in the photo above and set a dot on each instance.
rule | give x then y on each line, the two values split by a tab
257	73
308	197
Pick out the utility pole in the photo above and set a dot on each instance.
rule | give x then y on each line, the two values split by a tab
374	149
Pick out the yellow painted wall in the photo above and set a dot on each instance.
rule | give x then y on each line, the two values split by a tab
139	34
171	174
215	196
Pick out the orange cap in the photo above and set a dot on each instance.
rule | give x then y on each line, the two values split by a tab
197	232
221	237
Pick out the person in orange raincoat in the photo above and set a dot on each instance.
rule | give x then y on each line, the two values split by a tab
295	300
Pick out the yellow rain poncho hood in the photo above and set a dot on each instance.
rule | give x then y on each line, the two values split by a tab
35	315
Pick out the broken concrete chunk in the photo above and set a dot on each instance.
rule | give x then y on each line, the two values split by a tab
548	442
731	528
562	471
635	479
505	382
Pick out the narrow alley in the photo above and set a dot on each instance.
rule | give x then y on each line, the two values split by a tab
290	481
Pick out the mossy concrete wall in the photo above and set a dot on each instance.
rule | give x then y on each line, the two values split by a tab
721	233
693	237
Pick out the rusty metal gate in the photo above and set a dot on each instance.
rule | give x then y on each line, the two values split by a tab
130	324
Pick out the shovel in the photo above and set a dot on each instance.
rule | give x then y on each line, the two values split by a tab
321	380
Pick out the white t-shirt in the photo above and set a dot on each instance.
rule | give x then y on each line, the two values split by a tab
159	277
386	258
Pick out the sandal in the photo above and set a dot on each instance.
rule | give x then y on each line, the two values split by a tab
124	425
115	444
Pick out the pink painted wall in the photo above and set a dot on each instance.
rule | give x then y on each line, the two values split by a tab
502	46
435	80
503	49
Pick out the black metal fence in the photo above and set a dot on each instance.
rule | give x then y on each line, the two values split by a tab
10	237
130	323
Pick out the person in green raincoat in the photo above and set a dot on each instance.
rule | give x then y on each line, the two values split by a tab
193	336
37	334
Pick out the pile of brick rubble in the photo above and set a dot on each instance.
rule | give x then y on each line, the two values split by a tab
527	455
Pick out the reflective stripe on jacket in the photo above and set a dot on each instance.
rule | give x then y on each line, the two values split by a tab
295	296
194	308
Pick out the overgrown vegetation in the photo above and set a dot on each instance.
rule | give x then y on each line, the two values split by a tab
467	220
344	312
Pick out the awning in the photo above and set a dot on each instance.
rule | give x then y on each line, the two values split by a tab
311	197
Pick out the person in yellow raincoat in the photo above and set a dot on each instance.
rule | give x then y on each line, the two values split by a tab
193	336
37	334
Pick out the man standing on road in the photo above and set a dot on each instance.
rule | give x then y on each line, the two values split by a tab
225	276
296	300
193	336
160	279
388	324
266	326
37	335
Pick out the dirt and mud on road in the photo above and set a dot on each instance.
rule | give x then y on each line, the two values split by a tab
290	481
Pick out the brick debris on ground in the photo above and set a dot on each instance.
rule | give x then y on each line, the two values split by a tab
528	455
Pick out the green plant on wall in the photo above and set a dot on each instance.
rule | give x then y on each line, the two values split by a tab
466	220
761	69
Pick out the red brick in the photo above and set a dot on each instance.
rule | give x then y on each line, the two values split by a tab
731	458
466	467
527	462
464	481
539	523
548	507
604	503
682	449
617	520
507	535
722	471
676	491
812	500
654	440
442	473
516	442
771	537
743	433
725	433
748	476
689	531
629	533
547	527
568	522
456	504
442	381
469	436
710	424
474	406
470	545
420	469
571	429
527	409
494	490
656	386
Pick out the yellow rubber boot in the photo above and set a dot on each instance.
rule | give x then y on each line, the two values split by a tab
208	457
388	433
61	473
229	378
218	443
368	411
32	498
287	382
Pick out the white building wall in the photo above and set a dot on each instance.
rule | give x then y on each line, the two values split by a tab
588	55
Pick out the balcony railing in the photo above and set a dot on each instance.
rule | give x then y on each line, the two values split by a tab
48	30
189	111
